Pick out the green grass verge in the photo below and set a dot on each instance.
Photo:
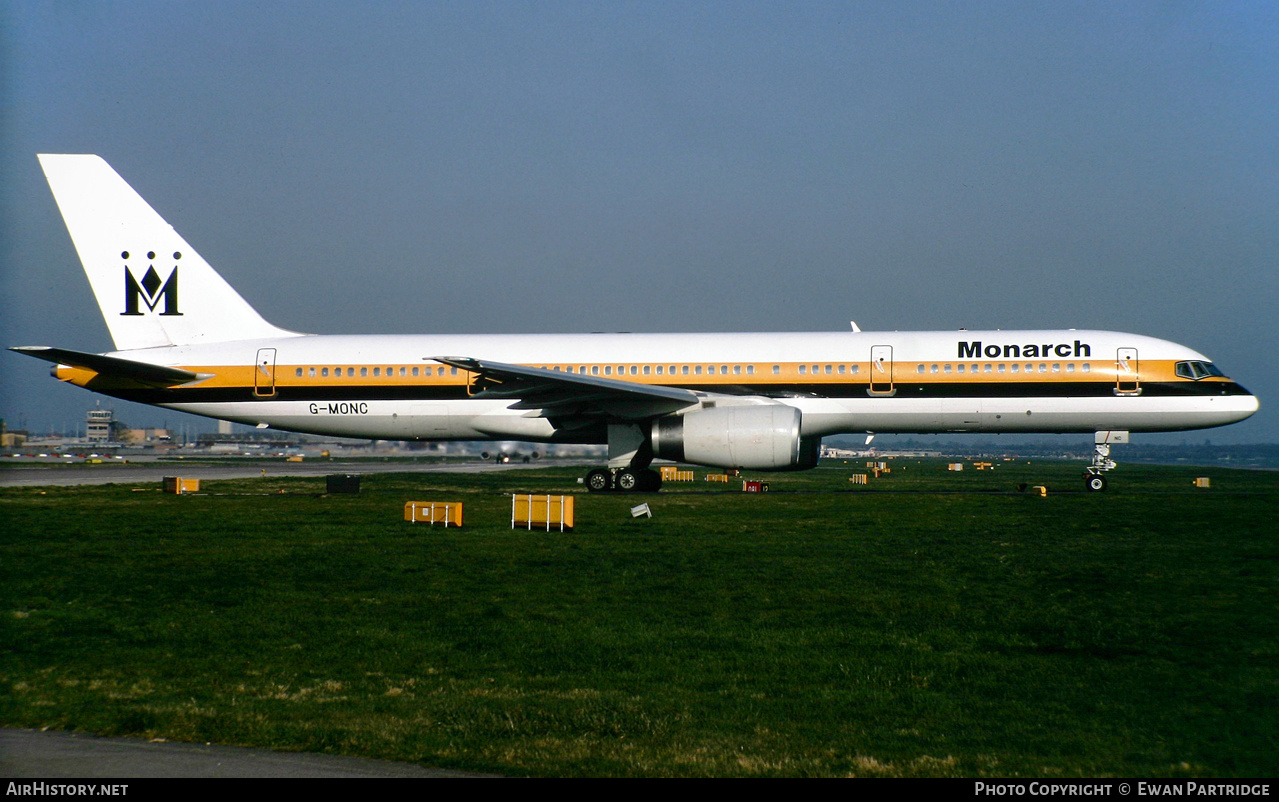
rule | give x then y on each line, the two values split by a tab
930	624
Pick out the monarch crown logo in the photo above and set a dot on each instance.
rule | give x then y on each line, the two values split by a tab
151	290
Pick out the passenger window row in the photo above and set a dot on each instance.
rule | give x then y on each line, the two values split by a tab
1003	367
379	371
1194	370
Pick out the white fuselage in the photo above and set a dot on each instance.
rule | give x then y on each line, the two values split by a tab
841	382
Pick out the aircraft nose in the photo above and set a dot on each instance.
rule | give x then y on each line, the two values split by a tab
1246	405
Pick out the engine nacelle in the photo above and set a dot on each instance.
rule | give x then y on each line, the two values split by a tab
761	437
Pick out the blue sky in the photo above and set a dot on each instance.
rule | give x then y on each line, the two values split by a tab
509	167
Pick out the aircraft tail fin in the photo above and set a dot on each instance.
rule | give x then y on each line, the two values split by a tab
152	287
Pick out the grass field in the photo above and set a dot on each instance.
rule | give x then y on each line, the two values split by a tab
929	624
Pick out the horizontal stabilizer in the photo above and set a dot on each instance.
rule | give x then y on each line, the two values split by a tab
112	366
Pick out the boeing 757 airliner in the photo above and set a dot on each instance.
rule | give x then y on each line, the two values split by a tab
186	340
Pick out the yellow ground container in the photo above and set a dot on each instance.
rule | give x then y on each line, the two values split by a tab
448	513
548	513
1202	481
859	479
717	477
293	459
670	473
178	485
955	466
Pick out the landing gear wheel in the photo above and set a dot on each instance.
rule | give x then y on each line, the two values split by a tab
599	480
628	479
1095	482
650	481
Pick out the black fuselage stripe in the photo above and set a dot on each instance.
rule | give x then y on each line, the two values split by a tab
938	390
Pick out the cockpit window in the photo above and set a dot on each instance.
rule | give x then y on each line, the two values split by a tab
1197	370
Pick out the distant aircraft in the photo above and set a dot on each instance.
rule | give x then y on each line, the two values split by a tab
186	340
507	452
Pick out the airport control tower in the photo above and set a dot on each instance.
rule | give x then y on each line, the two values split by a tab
97	425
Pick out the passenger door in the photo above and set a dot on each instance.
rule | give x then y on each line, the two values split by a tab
264	373
1127	372
881	370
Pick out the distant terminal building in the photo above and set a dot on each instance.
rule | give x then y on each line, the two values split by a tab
143	436
11	439
225	442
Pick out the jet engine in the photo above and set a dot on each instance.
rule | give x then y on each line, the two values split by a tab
761	437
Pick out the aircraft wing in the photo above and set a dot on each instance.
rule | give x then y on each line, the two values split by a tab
112	366
556	394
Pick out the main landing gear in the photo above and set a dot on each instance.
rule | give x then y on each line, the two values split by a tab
642	480
629	454
1101	461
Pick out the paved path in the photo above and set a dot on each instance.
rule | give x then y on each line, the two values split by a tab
51	755
51	474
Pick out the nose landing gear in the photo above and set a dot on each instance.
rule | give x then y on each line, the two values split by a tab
1101	461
